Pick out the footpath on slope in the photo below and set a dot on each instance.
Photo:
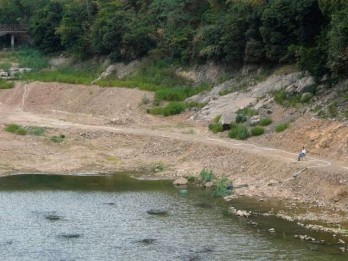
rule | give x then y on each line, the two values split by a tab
107	130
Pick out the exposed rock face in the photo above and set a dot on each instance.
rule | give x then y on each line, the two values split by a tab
12	72
228	105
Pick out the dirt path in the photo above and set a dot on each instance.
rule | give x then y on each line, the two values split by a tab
108	130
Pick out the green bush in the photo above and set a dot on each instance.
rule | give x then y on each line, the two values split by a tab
220	187
257	131
241	118
239	132
172	94
280	97
247	112
6	84
34	130
281	127
265	121
206	175
171	108
22	131
216	127
58	139
12	128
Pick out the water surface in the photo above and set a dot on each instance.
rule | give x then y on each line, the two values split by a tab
48	217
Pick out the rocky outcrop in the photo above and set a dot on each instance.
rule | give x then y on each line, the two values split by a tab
257	96
12	73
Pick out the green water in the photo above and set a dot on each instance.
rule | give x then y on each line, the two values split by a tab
50	217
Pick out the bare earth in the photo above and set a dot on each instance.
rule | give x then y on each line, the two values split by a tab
108	130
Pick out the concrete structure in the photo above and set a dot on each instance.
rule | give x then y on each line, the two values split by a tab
12	29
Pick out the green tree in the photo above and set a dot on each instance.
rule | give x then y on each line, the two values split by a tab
338	42
43	26
289	22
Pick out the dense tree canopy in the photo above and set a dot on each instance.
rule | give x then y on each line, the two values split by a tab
312	32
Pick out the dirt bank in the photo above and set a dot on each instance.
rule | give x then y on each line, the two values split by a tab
107	129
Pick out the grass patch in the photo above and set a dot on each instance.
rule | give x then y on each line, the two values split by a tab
64	74
22	130
239	132
6	84
152	75
31	58
171	108
16	129
257	131
281	99
35	130
247	112
216	127
281	127
57	139
265	121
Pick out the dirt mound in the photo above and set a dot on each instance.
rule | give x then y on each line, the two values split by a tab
116	105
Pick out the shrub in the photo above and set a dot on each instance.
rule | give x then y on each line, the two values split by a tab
191	178
247	112
21	131
216	127
220	187
239	132
265	121
280	97
281	127
257	131
34	130
241	118
171	94
171	108
58	139
12	128
206	175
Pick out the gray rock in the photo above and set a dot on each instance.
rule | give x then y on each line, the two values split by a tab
157	212
254	120
180	182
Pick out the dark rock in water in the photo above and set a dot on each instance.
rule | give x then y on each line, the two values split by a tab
203	205
110	203
147	241
53	217
68	236
157	212
206	249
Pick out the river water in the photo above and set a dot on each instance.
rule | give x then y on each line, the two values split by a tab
48	217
